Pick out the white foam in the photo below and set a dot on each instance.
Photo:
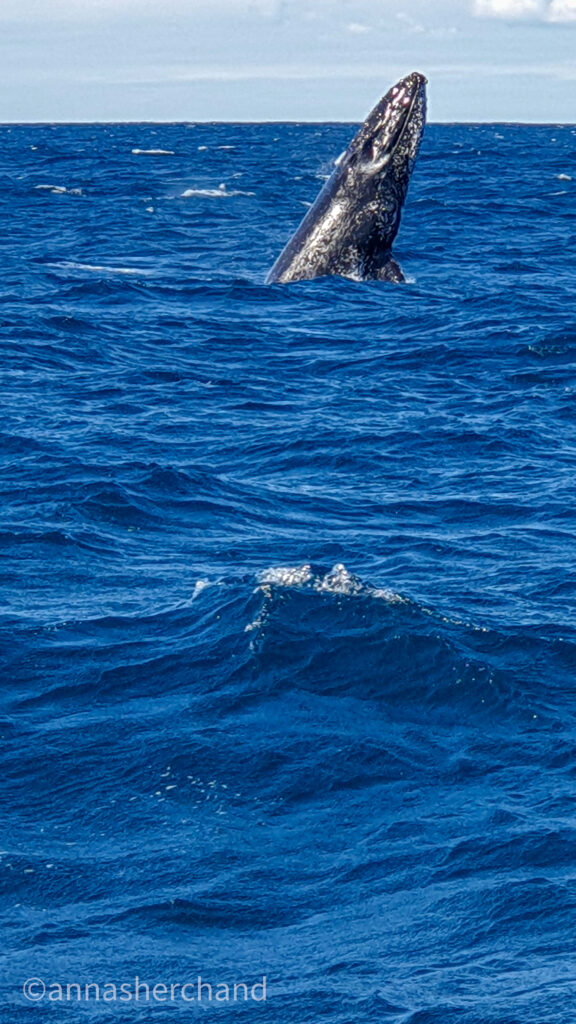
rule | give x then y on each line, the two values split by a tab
278	576
563	177
99	268
199	586
153	152
283	576
220	193
59	189
338	581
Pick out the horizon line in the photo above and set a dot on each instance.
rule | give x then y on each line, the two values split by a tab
291	121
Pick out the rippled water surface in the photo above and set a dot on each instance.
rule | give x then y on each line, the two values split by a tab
288	581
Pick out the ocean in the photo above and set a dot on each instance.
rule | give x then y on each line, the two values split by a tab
288	586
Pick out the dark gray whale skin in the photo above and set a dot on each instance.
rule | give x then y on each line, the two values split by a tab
350	228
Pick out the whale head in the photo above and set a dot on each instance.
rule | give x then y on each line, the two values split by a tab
392	132
375	170
350	228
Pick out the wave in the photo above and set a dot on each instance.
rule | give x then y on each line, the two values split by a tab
153	152
322	631
220	193
338	581
332	631
59	190
96	268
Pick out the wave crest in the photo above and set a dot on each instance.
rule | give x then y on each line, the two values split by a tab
339	580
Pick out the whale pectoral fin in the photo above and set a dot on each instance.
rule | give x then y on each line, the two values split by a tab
390	271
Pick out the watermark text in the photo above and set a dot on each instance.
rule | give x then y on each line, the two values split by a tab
196	990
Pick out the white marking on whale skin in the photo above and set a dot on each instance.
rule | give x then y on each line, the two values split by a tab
380	164
340	158
325	225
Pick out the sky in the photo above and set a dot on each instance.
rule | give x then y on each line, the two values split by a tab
278	60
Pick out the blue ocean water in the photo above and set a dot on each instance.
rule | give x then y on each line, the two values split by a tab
288	581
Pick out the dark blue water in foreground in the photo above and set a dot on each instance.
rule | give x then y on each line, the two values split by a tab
288	630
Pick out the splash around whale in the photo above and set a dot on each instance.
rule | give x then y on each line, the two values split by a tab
350	228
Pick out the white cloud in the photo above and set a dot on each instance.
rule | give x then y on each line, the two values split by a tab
508	8
411	24
562	10
357	28
555	11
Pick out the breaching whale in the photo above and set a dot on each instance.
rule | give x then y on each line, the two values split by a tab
350	228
